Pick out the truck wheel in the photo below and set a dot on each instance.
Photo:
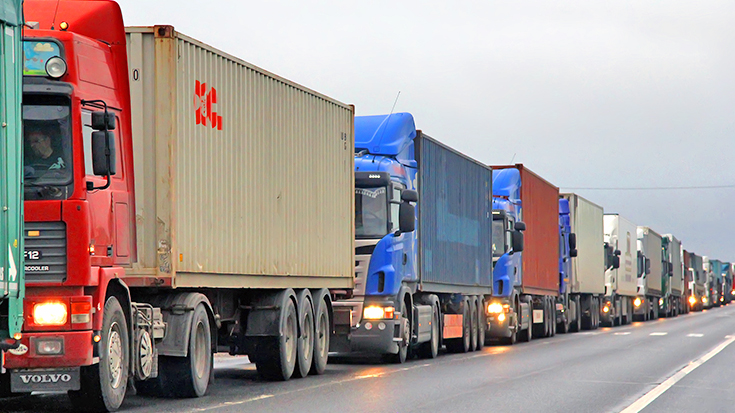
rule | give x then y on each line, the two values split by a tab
430	349
474	329
481	323
575	325
402	354
321	337
278	362
103	385
526	335
305	346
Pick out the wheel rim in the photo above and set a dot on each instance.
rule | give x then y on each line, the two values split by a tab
306	335
200	350
291	333
145	354
115	355
322	336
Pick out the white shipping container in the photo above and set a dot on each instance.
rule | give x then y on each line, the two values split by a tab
588	268
677	278
651	248
621	234
243	179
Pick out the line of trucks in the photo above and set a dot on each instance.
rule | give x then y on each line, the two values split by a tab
182	214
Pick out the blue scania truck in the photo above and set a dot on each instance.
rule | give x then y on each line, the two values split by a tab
423	253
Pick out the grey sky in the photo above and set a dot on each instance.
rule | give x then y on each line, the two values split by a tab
585	93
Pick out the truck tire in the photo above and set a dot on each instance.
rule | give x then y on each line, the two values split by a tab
402	354
471	303
103	385
526	335
321	336
430	349
481	323
462	345
576	324
278	361
305	342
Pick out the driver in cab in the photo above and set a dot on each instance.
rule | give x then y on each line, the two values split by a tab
43	155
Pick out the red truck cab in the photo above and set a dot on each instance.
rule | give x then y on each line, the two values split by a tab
79	233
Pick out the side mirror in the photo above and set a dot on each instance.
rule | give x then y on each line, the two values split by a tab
406	218
409	195
616	253
101	141
102	122
520	226
573	253
648	265
517	240
573	242
616	262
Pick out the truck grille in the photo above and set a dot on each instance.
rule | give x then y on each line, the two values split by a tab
45	252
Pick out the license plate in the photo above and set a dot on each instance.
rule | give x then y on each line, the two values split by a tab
24	381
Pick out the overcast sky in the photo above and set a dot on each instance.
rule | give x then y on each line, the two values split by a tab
584	93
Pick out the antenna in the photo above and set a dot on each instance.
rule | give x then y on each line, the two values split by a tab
513	158
55	12
389	115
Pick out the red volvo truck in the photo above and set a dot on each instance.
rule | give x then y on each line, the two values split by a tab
179	201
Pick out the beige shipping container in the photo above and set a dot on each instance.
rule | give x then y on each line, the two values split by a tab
243	179
588	268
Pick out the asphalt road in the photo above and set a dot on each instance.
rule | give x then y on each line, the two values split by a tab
607	370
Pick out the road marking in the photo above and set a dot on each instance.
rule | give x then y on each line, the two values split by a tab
695	335
624	333
652	395
221	405
659	334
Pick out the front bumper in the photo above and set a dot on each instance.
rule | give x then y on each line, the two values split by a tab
77	351
367	337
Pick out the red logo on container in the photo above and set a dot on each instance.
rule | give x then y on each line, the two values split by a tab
204	98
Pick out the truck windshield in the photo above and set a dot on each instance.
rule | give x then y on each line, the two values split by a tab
498	238
47	147
371	212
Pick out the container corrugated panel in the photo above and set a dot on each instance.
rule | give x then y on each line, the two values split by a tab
588	268
653	251
677	278
455	220
243	179
622	234
540	212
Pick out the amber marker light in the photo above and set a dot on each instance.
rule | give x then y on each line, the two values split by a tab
96	338
63	26
17	336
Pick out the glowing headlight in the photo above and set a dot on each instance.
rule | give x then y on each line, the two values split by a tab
495	308
704	299
375	312
692	300
637	302
605	309
660	301
49	314
55	67
501	317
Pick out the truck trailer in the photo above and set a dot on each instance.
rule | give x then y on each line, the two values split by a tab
672	285
526	284
716	281
422	273
621	281
583	281
183	213
647	304
12	287
697	283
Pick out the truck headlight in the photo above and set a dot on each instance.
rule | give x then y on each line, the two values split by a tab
692	300
495	308
375	312
660	301
55	67
49	314
637	302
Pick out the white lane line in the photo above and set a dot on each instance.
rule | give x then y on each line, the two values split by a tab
695	335
659	334
225	404
624	333
652	395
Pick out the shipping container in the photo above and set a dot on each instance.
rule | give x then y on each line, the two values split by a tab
243	179
651	248
454	220
621	234
540	212
588	268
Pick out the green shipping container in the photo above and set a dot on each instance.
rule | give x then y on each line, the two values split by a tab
12	288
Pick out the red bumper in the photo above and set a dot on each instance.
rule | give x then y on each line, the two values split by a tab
77	351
